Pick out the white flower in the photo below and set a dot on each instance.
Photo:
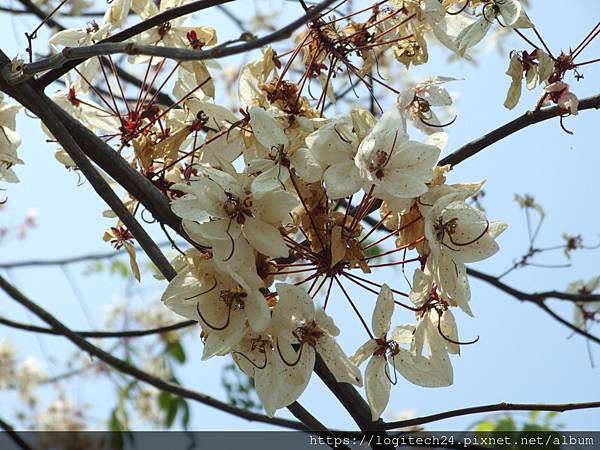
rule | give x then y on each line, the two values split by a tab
222	144
29	376
559	92
415	103
252	76
8	363
397	168
61	415
295	322
90	114
116	13
283	153
585	312
334	146
456	234
433	370
219	303
378	381
434	336
9	141
277	384
222	209
509	13
173	34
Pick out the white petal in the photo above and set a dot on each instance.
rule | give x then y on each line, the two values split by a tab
265	238
337	362
377	386
257	311
382	314
266	129
294	306
274	207
342	180
364	352
427	372
307	167
472	34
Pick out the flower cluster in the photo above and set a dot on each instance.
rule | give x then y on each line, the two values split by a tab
260	228
9	141
286	207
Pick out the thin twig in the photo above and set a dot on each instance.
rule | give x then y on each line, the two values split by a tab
536	299
69	58
141	375
491	408
100	334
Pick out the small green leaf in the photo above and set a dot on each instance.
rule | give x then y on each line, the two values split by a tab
175	349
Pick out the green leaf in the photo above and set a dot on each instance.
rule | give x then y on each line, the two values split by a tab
164	400
175	349
485	425
185	416
171	413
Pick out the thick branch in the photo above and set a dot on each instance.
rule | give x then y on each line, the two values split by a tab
352	401
491	408
10	431
98	151
313	424
70	57
127	368
100	185
529	118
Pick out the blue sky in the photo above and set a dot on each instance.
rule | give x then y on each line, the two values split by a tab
522	356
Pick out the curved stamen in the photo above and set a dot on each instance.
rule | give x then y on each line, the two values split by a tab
490	5
284	360
173	244
342	138
387	371
145	219
231	240
562	124
423	204
211	326
440	125
464	244
456	13
80	179
439	327
252	362
204	292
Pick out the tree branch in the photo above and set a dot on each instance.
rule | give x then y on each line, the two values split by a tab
491	408
100	185
353	402
10	431
523	121
100	334
536	299
136	29
70	57
313	424
70	260
133	371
